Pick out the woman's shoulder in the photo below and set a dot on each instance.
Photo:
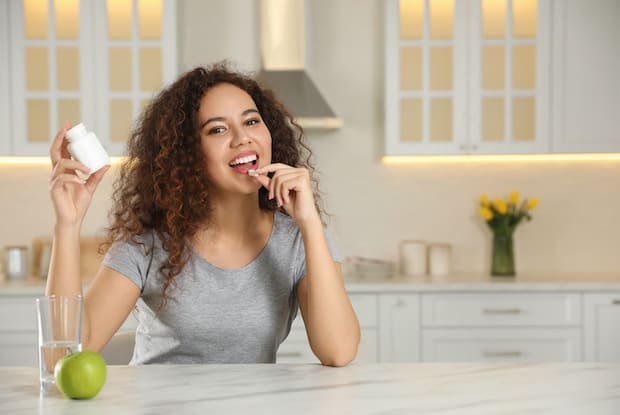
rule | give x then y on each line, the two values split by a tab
142	243
283	223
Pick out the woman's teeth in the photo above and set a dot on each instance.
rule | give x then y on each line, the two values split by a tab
243	160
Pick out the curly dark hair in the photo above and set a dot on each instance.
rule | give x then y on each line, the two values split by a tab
162	186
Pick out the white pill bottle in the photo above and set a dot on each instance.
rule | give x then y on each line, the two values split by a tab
85	147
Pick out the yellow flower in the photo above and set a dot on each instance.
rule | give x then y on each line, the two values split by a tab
500	205
484	200
514	198
532	203
486	213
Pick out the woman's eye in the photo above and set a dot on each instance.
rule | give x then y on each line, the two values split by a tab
252	121
216	130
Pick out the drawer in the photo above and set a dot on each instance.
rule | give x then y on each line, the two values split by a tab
492	345
501	309
296	348
18	349
365	306
18	314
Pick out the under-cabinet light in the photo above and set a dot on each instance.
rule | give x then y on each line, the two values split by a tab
40	161
501	158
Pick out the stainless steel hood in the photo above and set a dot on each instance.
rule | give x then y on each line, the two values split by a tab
282	45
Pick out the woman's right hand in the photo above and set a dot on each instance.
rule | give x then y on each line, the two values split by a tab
70	195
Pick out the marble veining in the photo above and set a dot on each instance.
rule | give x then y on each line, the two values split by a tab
423	388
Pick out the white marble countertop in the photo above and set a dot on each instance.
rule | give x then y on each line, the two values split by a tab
549	281
434	388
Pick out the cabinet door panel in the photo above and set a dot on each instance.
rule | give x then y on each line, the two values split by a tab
18	314
501	309
18	349
481	345
399	327
586	85
602	327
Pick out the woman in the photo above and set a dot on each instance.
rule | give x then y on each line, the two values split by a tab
214	260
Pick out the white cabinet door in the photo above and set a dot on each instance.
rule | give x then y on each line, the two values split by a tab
479	345
399	327
18	348
467	77
18	331
602	327
586	85
87	61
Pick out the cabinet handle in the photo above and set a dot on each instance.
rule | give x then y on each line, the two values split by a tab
474	147
463	147
400	303
616	302
501	311
289	354
506	353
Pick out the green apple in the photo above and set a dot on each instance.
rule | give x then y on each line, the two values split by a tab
80	375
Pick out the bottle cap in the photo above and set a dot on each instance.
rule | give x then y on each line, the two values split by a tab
76	132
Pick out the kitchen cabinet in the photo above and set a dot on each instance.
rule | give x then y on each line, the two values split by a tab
18	330
99	62
502	77
586	85
501	326
5	115
467	77
601	334
494	344
413	322
399	316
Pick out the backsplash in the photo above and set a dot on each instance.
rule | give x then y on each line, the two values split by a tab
575	227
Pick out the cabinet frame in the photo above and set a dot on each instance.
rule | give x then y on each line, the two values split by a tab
93	66
466	92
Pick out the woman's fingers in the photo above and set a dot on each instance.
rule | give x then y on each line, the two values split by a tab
95	178
58	149
284	180
264	180
65	165
63	179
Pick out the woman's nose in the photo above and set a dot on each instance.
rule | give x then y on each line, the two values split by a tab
240	136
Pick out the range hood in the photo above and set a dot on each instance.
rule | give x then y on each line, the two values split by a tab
282	46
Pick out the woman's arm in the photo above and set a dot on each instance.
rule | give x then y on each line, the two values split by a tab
111	296
331	324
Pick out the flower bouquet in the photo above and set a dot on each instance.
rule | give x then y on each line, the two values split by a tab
503	216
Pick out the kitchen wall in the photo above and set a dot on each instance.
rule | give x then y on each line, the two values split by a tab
373	205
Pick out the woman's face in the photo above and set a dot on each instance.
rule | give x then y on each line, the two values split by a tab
234	138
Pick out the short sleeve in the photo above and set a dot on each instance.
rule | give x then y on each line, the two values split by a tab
301	258
130	259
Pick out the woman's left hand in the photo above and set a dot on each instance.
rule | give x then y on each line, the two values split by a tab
292	188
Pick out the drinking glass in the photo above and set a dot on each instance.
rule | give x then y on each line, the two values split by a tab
59	321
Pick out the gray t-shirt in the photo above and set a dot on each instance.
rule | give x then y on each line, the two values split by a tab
215	315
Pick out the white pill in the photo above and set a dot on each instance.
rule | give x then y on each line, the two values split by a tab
252	173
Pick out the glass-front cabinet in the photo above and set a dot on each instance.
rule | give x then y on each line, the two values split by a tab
467	76
92	61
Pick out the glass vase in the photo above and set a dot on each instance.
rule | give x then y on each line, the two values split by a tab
502	263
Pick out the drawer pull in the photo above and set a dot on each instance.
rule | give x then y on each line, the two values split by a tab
501	311
502	354
616	302
289	354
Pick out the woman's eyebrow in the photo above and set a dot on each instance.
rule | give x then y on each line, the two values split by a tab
212	119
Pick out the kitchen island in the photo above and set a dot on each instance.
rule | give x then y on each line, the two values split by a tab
437	388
